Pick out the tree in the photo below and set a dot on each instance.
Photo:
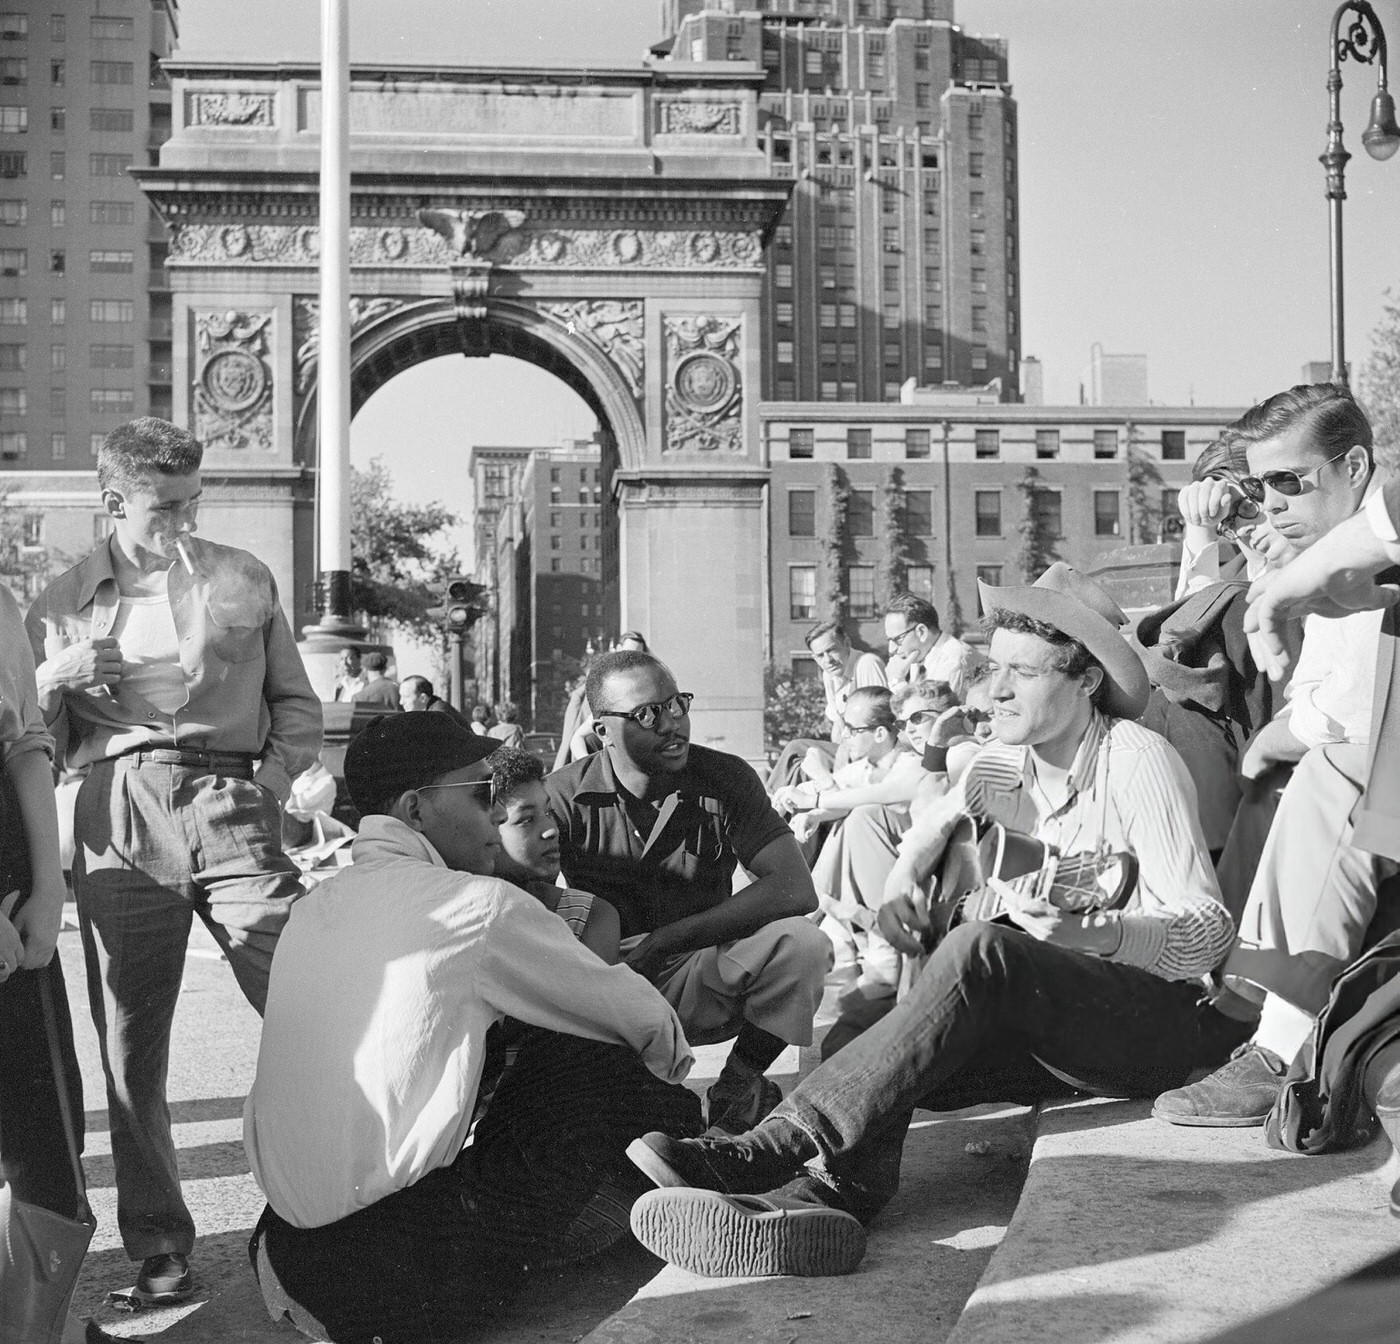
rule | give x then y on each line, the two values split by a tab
831	600
894	555
398	553
1144	490
793	706
25	563
1379	384
1035	548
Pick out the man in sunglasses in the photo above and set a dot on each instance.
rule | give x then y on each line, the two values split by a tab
656	827
411	1177
1309	896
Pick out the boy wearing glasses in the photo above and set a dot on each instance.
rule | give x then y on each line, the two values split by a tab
657	827
401	1206
1312	894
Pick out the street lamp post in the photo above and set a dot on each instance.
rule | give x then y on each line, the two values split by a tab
1363	40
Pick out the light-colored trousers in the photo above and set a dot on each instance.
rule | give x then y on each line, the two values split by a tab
1314	893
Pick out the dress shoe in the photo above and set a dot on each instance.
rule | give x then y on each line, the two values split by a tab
1239	1093
164	1278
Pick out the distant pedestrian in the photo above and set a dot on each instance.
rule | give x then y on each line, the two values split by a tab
378	689
508	730
349	675
481	720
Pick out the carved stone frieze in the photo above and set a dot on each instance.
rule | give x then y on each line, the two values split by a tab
532	247
704	392
478	235
233	382
233	107
306	328
675	117
615	326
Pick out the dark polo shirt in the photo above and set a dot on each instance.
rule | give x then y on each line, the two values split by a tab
659	864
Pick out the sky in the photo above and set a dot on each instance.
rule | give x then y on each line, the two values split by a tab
1171	198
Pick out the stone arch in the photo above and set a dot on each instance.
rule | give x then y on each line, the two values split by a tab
395	335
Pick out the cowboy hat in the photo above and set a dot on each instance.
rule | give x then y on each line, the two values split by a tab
1083	610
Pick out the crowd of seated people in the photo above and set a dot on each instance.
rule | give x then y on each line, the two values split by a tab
471	1027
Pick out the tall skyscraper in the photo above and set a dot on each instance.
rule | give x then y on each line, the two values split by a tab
84	311
898	255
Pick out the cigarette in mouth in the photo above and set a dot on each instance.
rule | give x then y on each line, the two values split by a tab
184	550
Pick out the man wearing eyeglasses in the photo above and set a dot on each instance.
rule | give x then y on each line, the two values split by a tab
657	827
920	649
412	1178
1311	894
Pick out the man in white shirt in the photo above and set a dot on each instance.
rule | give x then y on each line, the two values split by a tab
920	649
998	1013
1313	892
401	1206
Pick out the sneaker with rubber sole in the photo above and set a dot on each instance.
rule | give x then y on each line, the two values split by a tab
737	1166
745	1236
164	1278
1239	1093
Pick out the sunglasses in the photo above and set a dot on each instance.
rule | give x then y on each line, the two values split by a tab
920	716
648	716
1288	483
855	728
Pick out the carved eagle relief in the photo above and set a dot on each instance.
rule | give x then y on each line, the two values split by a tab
473	233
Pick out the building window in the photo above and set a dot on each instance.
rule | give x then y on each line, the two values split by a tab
979	356
987	504
58	166
58	261
785	352
891	277
857	444
113	401
111	119
107	29
14	120
14	164
14	312
14	71
918	579
109	165
111	356
923	95
860	513
112	212
860	591
12	358
1173	445
556	565
1106	513
1047	444
802	592
13	27
58	312
58	214
782	275
916	443
783	313
979	320
95	441
975	162
58	402
918	513
813	61
800	443
112	310
987	443
14	212
112	72
14	401
14	443
58	358
58	445
977	242
1048	514
990	575
802	513
56	72
1105	443
58	119
14	261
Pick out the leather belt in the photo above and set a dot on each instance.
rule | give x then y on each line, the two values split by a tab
237	763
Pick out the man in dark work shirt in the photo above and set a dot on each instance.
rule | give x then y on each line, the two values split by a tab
657	827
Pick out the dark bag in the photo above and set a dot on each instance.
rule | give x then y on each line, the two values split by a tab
1321	1108
41	1252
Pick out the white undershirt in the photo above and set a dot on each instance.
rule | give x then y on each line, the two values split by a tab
145	630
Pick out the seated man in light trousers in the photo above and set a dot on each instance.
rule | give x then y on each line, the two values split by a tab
1109	1002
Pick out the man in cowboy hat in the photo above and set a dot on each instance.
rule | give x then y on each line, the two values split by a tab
1108	1002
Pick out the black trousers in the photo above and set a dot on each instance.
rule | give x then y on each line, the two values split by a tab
431	1262
33	1152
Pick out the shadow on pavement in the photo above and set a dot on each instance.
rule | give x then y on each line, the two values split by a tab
181	1113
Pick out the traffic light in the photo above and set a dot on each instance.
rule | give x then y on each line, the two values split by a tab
464	601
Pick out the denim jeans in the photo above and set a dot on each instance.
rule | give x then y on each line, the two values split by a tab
156	845
996	1016
433	1261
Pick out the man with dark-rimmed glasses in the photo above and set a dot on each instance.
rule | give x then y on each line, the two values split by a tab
657	827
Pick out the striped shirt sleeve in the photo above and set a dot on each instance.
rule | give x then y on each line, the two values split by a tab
1175	925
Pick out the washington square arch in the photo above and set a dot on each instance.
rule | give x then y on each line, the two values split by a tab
606	226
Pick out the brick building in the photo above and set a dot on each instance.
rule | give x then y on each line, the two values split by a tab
85	326
898	255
